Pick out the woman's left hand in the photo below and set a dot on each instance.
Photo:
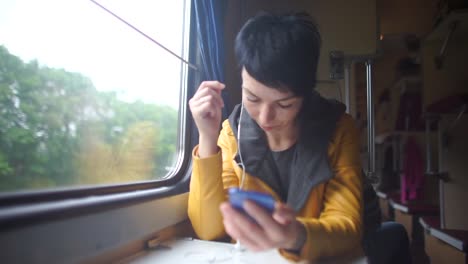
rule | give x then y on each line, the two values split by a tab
279	230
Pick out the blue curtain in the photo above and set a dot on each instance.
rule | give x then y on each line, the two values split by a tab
209	19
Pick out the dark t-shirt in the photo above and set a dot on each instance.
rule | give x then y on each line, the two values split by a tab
283	161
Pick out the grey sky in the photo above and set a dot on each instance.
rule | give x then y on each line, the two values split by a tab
80	37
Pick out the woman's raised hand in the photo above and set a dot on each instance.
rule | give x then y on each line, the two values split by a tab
206	106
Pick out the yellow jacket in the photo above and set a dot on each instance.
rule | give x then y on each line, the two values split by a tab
331	214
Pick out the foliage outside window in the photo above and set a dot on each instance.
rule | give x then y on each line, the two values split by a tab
84	99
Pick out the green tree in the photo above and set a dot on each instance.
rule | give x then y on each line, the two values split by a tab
50	119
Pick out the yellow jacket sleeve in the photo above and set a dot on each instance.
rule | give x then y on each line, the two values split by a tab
337	231
211	176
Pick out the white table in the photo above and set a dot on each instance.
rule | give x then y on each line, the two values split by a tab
188	250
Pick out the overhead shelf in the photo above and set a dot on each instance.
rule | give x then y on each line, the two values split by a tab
452	104
458	17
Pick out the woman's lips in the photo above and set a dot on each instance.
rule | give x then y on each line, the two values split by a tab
268	128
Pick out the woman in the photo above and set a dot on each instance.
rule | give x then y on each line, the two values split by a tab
293	144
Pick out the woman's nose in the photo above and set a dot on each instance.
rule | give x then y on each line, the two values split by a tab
267	114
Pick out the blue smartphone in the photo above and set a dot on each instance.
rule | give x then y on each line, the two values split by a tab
238	196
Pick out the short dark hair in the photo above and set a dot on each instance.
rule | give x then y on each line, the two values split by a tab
280	51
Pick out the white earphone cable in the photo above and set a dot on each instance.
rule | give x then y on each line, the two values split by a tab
241	164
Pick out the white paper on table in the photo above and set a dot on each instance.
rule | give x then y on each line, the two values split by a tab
188	250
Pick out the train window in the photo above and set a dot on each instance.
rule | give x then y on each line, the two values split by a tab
87	100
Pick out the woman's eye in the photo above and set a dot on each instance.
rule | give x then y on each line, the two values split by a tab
284	106
252	99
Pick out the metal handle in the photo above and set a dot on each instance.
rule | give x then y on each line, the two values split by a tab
347	85
428	147
370	122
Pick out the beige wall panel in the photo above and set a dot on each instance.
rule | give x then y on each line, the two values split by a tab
440	253
403	16
455	162
452	78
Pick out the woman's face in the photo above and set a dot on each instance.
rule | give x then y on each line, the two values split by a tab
274	111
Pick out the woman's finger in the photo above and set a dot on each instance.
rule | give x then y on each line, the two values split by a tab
209	97
212	84
239	227
283	214
206	94
233	230
273	232
276	228
260	215
205	107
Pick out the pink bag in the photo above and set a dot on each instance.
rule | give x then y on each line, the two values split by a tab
412	179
